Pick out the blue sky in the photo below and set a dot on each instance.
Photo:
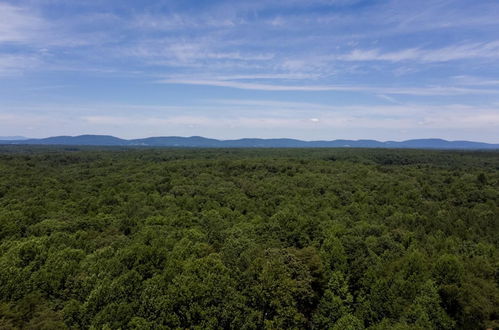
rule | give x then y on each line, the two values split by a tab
308	69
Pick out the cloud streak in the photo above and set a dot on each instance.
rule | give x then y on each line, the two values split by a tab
419	91
19	25
451	53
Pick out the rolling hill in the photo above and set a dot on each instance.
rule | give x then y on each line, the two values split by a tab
202	142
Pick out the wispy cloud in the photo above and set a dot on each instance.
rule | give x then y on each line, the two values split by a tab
269	76
421	91
475	81
450	53
175	22
19	25
15	64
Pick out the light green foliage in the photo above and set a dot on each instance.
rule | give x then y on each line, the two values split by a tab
335	303
348	322
426	312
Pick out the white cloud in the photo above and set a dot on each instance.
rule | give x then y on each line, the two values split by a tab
14	64
420	91
387	98
19	24
276	76
181	21
450	53
475	81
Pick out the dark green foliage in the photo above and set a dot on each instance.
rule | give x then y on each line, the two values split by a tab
107	238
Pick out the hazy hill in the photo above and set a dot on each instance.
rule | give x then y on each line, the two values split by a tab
202	142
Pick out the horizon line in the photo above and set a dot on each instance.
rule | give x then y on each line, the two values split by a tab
24	138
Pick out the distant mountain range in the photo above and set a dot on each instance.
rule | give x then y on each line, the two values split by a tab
201	142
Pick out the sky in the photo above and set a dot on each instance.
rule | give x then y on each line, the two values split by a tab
306	69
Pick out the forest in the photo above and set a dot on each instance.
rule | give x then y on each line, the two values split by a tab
165	238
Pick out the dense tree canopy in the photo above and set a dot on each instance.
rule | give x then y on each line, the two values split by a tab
278	239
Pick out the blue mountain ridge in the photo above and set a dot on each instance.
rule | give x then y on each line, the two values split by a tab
202	142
